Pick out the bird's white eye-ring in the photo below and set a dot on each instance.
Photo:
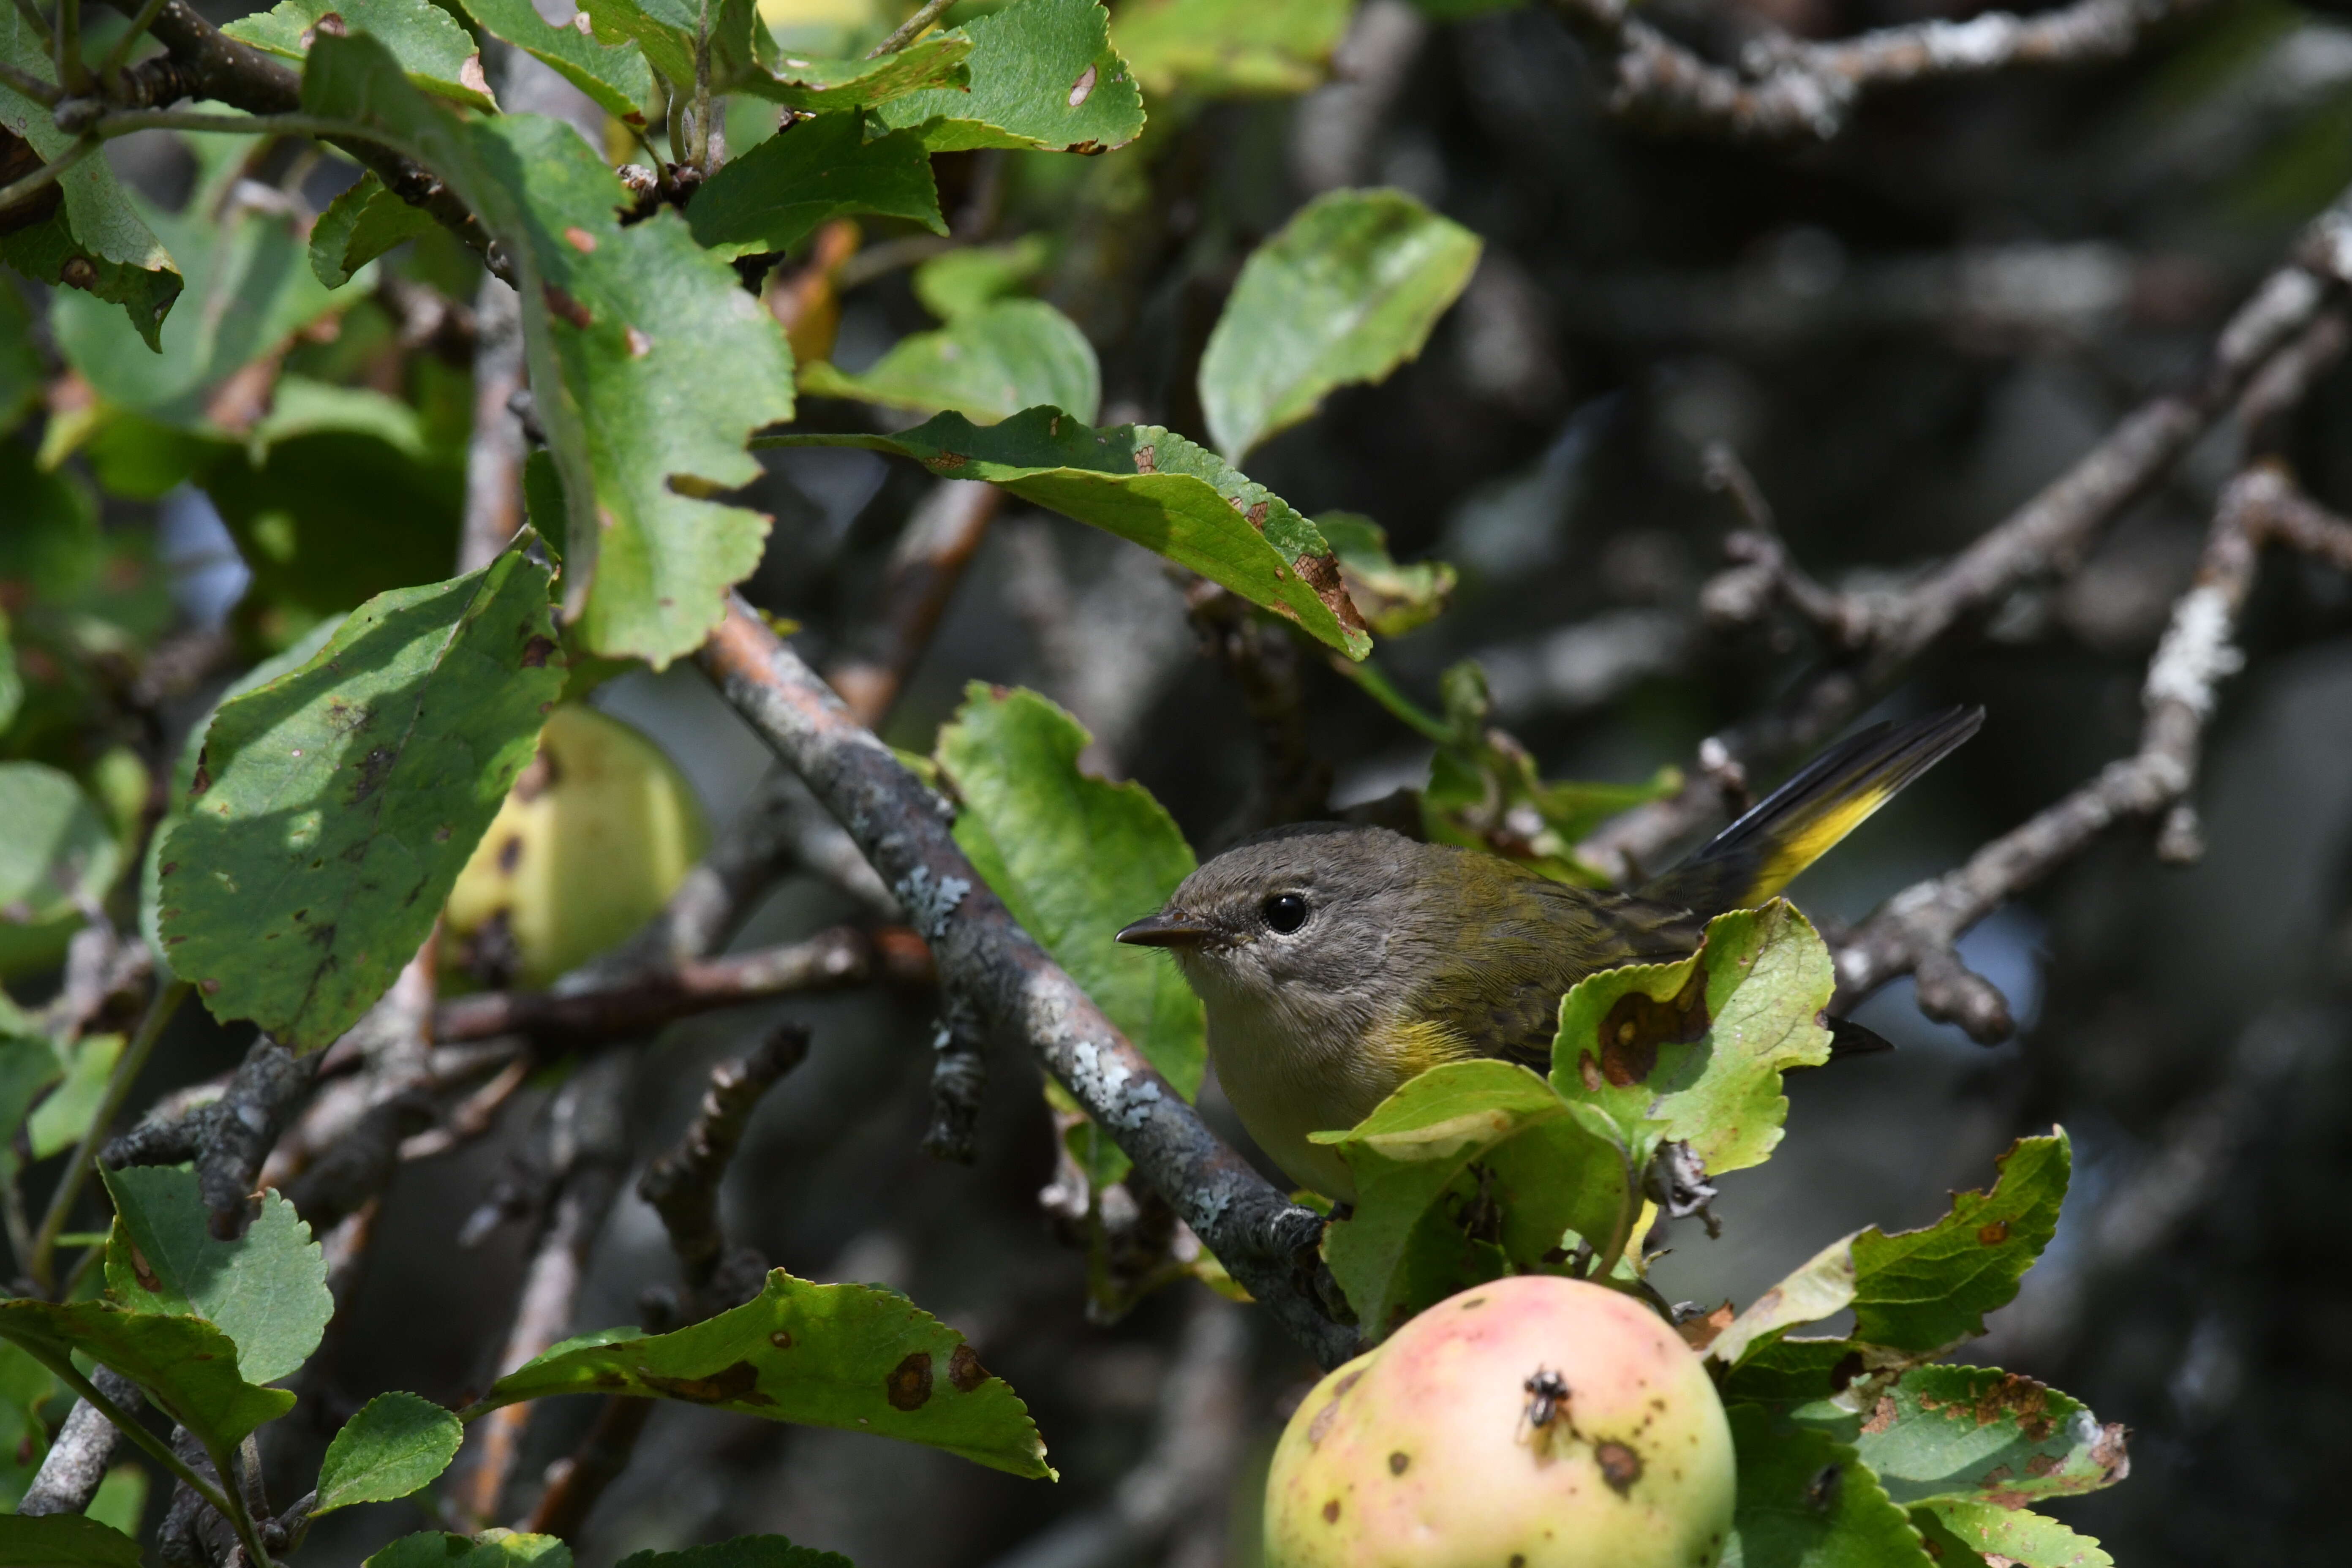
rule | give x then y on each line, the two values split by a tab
1284	913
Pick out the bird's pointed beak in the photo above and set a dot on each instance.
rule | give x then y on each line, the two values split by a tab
1168	929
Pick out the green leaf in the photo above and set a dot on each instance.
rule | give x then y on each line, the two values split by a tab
744	57
185	1366
266	1289
1697	1049
1484	790
359	226
249	291
29	1063
649	362
1345	292
852	1356
775	195
970	277
1914	1293
1471	1170
1974	1434
1230	48
64	1541
744	1552
437	53
817	85
336	806
1152	487
64	1117
492	1549
2025	1539
97	232
1806	1501
394	1446
1044	74
183	775
1074	859
1394	599
987	365
58	859
614	74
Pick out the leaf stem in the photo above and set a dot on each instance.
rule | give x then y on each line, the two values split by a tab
48	172
908	31
31	86
72	74
117	1089
132	1429
240	1517
1381	689
112	66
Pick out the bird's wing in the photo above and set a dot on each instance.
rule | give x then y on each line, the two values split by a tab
1522	952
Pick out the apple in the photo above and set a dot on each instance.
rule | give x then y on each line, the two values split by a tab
1529	1423
595	836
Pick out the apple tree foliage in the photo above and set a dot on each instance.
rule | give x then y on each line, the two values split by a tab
322	810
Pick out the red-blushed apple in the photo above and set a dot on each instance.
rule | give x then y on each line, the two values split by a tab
1528	1422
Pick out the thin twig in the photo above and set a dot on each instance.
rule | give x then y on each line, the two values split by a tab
682	1185
908	31
110	67
1917	932
40	178
73	72
31	86
126	1072
641	1003
39	23
940	537
1267	1242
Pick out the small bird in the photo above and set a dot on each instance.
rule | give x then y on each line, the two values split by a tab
1336	961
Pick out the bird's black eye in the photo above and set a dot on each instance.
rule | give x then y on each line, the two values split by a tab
1286	912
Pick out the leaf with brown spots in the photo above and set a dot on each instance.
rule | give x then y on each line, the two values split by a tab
1977	1432
1695	1049
2016	1536
852	1356
1149	486
186	1366
331	785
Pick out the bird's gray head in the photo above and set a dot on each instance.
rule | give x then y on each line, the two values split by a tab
1317	909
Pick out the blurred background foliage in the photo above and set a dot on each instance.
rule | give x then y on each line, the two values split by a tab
1902	333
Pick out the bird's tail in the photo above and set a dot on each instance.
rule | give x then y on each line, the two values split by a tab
1798	823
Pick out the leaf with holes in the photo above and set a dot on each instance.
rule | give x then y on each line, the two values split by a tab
1152	487
1914	1294
1697	1049
437	53
95	240
1972	1434
332	808
266	1289
649	362
2015	1537
185	1366
1345	292
1472	1170
490	1549
359	226
773	196
988	365
614	74
394	1446
1807	1502
1044	75
1074	859
1230	49
854	1356
64	1541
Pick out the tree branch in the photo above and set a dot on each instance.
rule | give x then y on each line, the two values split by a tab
683	1184
1786	89
1266	1241
640	1003
76	1461
2049	535
1915	932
